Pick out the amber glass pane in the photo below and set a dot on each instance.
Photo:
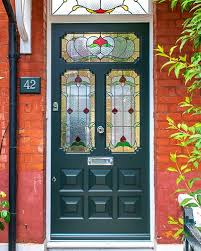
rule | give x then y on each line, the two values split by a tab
77	111
123	111
100	47
98	7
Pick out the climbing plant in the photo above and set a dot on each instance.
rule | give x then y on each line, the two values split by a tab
4	211
187	160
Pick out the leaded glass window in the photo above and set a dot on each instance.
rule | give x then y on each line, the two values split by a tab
101	47
78	111
123	111
89	7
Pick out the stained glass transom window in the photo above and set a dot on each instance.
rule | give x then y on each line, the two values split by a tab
78	111
123	111
89	7
101	47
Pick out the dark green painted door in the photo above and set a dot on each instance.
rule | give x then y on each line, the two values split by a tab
100	132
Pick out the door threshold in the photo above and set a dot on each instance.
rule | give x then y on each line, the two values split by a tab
100	244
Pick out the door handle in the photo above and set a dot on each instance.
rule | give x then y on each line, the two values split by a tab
100	129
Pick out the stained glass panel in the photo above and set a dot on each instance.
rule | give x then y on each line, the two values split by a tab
98	7
123	111
100	47
78	111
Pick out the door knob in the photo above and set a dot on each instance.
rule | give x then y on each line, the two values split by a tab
100	129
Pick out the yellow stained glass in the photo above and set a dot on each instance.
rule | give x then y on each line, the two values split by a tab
123	111
100	47
78	111
99	7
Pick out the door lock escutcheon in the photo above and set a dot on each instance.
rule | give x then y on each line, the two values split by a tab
55	107
54	179
100	129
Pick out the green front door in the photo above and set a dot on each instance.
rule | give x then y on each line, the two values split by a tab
100	132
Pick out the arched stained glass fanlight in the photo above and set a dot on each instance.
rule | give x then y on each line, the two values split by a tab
87	7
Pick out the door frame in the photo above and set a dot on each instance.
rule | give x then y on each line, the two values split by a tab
97	19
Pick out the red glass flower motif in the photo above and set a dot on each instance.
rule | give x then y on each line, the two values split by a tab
69	111
100	41
78	80
123	139
86	110
131	110
114	110
100	11
77	139
122	80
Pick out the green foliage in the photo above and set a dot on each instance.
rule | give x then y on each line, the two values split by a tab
187	161
4	211
178	227
4	204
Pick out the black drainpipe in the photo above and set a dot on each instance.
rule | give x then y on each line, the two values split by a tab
13	57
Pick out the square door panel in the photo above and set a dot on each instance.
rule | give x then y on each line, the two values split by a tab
100	179
100	207
129	179
72	179
129	207
72	207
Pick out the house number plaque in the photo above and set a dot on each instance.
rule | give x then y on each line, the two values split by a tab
30	85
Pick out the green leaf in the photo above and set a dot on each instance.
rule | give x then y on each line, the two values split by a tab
192	181
170	121
172	169
182	156
2	227
181	221
179	179
183	167
173	157
199	199
196	164
191	205
5	204
160	48
178	233
185	201
188	170
184	127
197	191
172	48
5	215
172	221
180	190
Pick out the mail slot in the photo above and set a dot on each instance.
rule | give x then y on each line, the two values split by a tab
100	161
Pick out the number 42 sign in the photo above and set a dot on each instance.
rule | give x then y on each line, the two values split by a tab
30	85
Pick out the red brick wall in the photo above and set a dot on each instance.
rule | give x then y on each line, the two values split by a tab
169	91
32	127
31	130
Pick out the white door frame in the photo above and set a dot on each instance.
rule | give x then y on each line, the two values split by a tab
98	19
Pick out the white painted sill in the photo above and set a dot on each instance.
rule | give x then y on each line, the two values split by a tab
100	244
